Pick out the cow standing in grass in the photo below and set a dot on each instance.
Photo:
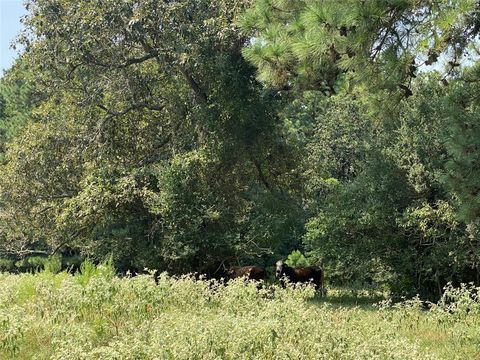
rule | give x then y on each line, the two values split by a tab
249	272
308	274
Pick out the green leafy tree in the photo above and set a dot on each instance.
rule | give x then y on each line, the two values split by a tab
394	220
18	97
154	141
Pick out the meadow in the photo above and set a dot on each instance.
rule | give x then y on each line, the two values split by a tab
95	314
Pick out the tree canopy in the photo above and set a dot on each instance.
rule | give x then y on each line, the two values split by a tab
192	135
378	44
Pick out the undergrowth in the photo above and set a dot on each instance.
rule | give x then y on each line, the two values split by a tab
97	315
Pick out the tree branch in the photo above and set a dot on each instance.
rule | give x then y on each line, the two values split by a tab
137	106
199	92
261	175
52	197
131	61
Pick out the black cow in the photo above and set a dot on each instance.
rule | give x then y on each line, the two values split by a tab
249	272
308	274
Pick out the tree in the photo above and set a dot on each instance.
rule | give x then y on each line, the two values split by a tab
373	44
154	141
463	144
18	97
394	220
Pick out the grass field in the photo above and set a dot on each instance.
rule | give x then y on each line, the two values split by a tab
96	315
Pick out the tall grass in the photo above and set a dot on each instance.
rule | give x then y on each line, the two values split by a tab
96	315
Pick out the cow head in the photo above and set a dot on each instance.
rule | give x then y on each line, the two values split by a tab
279	269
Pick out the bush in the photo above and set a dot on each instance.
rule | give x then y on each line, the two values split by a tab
53	264
6	265
296	258
95	315
72	263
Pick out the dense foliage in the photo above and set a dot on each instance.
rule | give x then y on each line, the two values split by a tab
156	146
192	135
314	44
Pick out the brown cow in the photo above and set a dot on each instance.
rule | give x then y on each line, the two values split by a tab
249	272
308	274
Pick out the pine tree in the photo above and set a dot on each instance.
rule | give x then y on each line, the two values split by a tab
380	44
464	144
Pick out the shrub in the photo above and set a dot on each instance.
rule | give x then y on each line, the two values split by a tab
95	315
296	258
6	265
53	264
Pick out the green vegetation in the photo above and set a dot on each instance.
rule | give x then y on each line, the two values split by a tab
191	135
95	315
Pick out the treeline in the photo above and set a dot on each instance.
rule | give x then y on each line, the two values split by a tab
192	135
